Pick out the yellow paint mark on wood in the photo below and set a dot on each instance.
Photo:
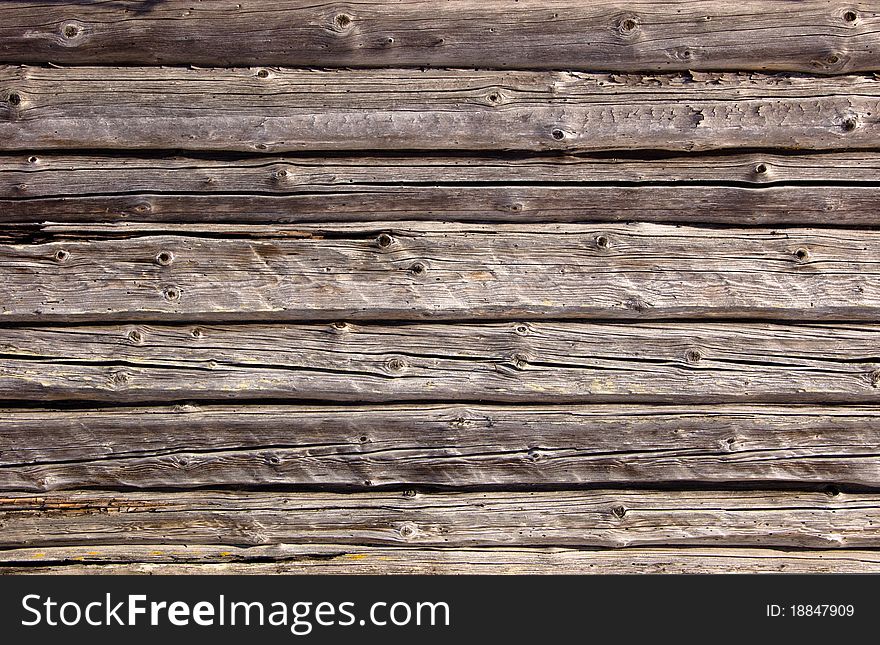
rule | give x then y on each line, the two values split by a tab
356	556
39	555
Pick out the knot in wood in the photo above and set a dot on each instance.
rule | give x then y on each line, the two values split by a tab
521	329
407	531
61	255
693	356
850	16
396	365
520	361
33	159
135	336
557	134
602	241
760	169
849	124
619	512
196	332
263	73
418	268
409	493
70	31
164	258
342	20
340	326
802	254
172	294
279	175
628	25
14	98
384	240
875	378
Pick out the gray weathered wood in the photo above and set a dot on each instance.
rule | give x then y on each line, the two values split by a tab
345	559
617	518
508	362
248	109
442	271
745	189
810	35
436	445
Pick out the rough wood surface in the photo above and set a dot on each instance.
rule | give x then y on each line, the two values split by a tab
339	559
436	445
617	518
810	36
742	189
277	110
510	362
444	271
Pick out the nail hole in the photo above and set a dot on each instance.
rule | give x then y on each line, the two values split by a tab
418	268
164	258
686	53
850	16
274	460
171	294
14	98
343	20
61	255
384	240
263	73
32	160
802	254
558	134
522	330
70	31
761	168
849	124
390	41
364	439
603	242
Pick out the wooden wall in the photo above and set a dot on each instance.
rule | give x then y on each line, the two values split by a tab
405	287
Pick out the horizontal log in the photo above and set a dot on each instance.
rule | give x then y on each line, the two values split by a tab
412	271
509	362
811	36
334	559
745	189
283	109
607	519
436	445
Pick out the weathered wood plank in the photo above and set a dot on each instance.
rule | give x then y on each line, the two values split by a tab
444	271
745	189
338	559
436	445
810	35
617	518
249	109
509	362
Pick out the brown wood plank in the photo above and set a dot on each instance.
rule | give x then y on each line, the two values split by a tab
508	362
344	559
741	189
607	519
278	110
442	271
436	445
810	35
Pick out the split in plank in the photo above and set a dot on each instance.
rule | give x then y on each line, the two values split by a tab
617	518
436	445
807	36
280	110
411	271
338	559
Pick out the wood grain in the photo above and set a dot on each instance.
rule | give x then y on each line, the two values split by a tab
440	271
421	444
509	362
597	518
338	559
807	36
283	109
741	189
